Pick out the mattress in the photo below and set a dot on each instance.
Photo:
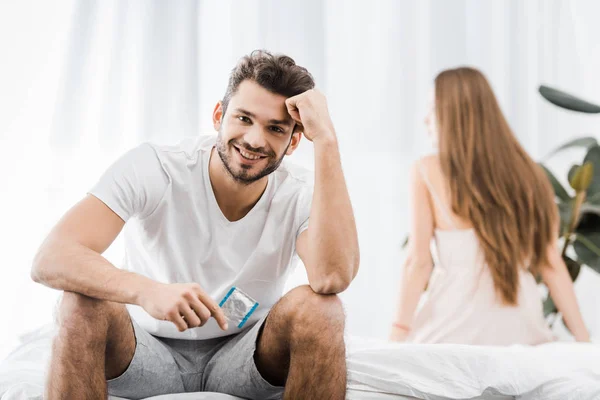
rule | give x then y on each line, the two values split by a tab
393	371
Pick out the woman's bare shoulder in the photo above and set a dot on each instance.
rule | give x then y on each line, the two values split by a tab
430	164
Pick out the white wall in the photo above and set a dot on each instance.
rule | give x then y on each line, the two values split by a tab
81	82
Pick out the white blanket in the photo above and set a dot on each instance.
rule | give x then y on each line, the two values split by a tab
560	371
380	370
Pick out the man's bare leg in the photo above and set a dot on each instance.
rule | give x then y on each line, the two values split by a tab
95	342
302	346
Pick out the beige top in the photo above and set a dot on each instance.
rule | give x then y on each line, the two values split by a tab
461	305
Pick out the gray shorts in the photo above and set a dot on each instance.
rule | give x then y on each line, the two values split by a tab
224	365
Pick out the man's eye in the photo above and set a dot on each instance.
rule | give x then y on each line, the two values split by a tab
276	129
244	119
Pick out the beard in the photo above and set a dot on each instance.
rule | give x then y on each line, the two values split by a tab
245	174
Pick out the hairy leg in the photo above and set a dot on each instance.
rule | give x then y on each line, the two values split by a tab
302	346
95	342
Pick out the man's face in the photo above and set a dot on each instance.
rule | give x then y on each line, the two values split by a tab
255	133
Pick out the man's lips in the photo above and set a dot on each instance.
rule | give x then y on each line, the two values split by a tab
248	156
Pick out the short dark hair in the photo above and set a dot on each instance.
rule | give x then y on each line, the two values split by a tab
277	73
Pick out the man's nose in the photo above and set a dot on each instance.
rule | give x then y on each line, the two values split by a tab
255	137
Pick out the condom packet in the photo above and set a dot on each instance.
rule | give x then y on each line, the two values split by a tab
238	306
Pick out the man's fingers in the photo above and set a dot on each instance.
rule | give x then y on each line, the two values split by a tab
292	108
200	310
219	315
191	319
215	310
295	114
178	320
291	102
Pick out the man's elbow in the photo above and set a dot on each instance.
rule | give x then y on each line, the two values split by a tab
36	269
39	267
355	264
329	286
335	282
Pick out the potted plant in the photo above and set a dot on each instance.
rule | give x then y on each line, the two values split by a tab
579	205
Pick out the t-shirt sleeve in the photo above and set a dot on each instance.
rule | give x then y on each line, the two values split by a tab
133	185
303	211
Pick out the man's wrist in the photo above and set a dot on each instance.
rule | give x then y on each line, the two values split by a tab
140	285
325	138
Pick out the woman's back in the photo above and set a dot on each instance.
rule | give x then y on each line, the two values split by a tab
490	210
461	304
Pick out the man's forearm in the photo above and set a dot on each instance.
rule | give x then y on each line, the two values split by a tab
333	239
73	267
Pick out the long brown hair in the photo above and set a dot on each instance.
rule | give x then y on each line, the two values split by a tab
493	182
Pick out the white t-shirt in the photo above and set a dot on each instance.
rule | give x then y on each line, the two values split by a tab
176	232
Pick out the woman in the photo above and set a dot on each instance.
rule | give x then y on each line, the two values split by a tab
491	211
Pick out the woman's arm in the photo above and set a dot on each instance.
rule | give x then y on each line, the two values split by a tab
557	278
418	264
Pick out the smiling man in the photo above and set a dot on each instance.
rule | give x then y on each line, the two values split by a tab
201	217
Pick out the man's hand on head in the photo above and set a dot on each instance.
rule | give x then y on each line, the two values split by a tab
310	111
186	305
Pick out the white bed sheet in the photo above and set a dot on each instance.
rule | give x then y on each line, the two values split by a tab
385	371
555	371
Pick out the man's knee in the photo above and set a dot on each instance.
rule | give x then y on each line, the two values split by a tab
307	312
94	327
80	313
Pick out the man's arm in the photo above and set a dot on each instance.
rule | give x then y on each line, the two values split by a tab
329	247
70	259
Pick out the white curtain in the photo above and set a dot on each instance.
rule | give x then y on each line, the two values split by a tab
88	80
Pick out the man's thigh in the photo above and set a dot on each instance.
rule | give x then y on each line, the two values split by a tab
232	369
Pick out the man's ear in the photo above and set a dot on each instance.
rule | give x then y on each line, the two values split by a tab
218	116
296	136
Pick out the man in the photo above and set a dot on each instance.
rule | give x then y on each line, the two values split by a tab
207	215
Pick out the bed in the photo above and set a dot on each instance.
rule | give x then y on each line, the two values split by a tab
386	371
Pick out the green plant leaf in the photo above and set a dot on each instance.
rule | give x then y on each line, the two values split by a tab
589	221
585	142
565	210
587	248
587	174
573	267
559	190
580	176
593	156
572	172
549	306
568	101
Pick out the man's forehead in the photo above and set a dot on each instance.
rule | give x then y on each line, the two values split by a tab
259	102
